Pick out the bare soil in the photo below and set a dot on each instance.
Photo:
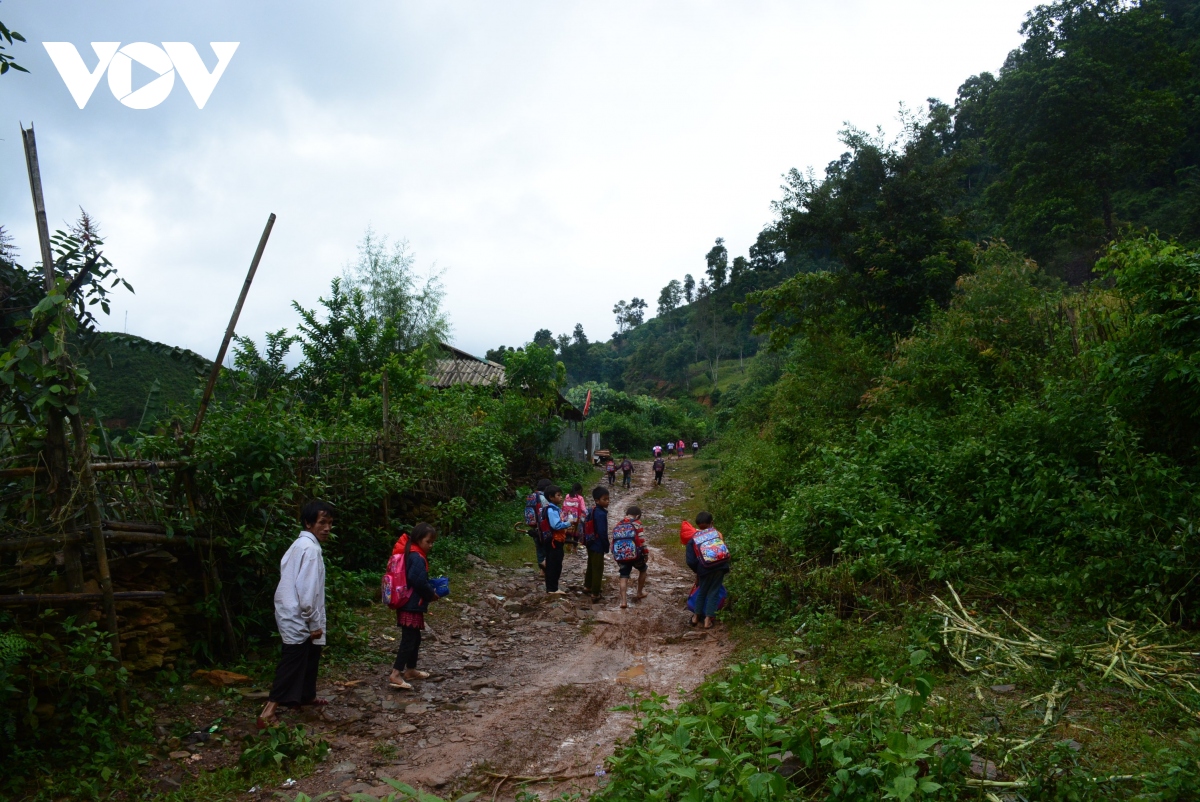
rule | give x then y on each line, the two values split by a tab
523	683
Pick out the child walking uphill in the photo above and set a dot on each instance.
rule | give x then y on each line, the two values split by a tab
610	469
554	534
659	467
629	550
300	615
627	473
596	544
411	617
708	556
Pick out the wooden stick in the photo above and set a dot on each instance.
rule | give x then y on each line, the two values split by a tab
60	599
237	311
57	459
33	470
19	544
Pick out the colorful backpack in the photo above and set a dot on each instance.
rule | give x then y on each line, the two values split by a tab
659	465
626	466
394	587
611	467
624	544
533	509
589	526
710	547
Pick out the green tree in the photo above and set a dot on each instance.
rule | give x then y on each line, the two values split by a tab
717	260
7	62
1086	119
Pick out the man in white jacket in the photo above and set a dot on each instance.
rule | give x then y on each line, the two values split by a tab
300	614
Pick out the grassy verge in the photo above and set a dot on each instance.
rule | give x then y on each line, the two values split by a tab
860	698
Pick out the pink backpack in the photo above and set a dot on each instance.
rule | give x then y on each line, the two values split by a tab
394	587
575	506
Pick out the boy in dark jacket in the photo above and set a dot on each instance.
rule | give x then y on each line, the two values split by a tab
411	617
597	545
660	465
709	578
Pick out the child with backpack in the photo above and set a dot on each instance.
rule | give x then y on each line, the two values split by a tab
627	473
410	616
680	449
629	550
596	543
670	448
535	502
610	468
708	556
575	510
554	534
659	467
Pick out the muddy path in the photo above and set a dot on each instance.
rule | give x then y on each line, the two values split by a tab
523	684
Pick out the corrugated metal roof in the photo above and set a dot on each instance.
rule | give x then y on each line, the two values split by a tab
463	368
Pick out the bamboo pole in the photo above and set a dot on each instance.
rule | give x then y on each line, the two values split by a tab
98	467
57	599
57	463
92	510
237	311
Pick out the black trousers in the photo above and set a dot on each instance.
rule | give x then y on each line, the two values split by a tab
410	644
658	477
554	560
296	674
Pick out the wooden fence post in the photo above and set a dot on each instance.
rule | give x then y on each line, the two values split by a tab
57	463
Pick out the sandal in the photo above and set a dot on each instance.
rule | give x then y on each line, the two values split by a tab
694	621
413	673
263	724
400	686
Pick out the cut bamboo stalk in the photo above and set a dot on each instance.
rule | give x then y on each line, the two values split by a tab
60	599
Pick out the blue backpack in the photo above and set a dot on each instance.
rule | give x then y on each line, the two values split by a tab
624	546
533	509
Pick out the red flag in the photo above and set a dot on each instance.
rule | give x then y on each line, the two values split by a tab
587	403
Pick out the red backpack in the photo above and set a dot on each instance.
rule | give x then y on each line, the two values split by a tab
394	586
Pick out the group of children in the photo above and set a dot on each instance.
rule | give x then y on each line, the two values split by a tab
555	520
558	523
676	449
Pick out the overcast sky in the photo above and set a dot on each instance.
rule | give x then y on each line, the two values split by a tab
553	157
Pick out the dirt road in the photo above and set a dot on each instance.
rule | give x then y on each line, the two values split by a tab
523	683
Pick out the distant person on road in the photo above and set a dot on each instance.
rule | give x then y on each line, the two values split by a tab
597	545
554	534
708	556
300	615
659	466
574	509
695	447
657	451
630	552
411	617
611	470
670	448
680	448
627	473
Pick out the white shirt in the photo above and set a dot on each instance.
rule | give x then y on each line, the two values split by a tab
300	596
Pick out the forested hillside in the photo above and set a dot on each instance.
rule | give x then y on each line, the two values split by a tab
1089	129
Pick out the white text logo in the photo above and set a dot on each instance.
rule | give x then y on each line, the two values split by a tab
165	61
